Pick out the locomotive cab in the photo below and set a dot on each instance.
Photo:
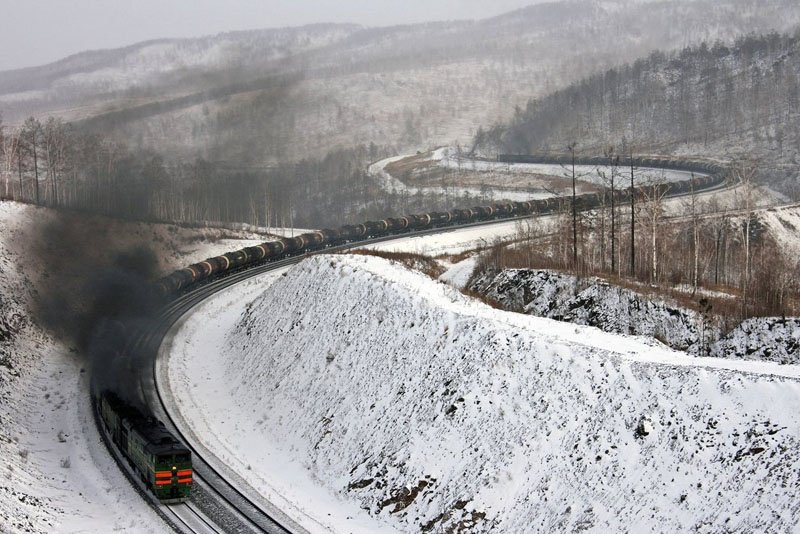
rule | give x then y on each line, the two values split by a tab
172	471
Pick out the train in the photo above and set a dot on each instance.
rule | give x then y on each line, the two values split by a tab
211	268
161	461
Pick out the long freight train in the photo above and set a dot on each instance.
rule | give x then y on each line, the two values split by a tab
311	241
162	462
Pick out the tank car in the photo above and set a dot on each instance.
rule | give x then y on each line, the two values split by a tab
352	231
376	227
311	240
440	218
420	220
504	209
331	236
397	223
483	212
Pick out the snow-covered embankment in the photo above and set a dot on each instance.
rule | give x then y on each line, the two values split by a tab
431	410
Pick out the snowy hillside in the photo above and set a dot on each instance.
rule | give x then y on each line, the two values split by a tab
54	472
404	86
432	411
595	302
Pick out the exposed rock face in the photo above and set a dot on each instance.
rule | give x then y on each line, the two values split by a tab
593	302
774	339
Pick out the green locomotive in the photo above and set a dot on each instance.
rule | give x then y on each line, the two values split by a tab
162	462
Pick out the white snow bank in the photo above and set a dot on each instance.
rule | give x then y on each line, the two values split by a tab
194	359
428	408
784	226
458	274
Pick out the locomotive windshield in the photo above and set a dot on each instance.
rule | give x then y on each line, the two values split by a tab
174	459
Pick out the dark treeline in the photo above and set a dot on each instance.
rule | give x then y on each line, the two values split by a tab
739	100
52	164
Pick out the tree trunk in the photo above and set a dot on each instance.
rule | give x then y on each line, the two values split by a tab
633	225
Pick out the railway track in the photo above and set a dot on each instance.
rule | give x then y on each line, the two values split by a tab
218	504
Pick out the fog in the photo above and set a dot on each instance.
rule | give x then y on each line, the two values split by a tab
34	33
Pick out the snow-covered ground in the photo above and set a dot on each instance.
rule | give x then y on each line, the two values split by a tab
784	226
595	302
775	339
459	273
458	240
55	473
401	404
448	157
390	183
194	361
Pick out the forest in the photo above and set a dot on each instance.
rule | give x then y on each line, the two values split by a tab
720	101
53	164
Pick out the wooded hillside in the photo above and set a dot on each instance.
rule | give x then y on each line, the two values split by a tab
716	100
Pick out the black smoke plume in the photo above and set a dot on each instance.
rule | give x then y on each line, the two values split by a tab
94	295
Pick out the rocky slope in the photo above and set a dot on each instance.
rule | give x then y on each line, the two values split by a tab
611	308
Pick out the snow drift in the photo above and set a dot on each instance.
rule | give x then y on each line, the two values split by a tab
433	411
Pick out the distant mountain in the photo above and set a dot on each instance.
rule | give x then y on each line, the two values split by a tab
254	98
714	100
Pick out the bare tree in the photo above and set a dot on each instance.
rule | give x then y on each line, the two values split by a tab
694	216
613	162
744	172
4	157
54	144
571	147
633	219
654	194
30	135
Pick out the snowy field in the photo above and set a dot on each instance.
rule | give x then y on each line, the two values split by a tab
456	240
390	183
359	389
447	157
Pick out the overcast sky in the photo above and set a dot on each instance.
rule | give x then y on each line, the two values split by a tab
34	32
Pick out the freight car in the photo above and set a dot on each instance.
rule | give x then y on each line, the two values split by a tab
162	462
281	248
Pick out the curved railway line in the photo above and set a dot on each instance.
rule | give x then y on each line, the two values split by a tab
217	504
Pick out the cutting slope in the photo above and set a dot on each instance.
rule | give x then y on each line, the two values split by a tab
431	410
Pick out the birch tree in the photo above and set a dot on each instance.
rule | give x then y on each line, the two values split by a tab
744	172
30	135
654	194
